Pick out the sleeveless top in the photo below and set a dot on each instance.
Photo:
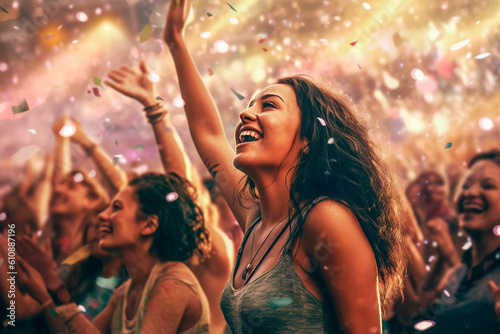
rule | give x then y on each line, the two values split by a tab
276	302
162	271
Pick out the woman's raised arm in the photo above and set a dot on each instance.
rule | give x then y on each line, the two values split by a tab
203	117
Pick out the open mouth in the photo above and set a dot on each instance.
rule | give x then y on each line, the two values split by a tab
104	230
249	136
471	208
58	199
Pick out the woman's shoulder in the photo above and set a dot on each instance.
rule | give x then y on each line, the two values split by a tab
175	270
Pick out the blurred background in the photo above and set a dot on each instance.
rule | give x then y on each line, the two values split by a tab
422	74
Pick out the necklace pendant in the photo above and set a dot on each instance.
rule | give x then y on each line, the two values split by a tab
245	272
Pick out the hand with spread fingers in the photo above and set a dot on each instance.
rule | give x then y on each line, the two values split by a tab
134	83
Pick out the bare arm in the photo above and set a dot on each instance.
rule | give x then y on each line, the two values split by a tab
333	237
205	125
114	174
62	154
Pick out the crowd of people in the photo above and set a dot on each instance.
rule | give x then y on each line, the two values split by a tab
327	243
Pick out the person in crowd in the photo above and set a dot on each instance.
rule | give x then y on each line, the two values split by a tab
212	270
465	296
323	241
152	226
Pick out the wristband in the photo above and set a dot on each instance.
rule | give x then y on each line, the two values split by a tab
66	312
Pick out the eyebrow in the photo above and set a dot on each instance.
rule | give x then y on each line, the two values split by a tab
265	97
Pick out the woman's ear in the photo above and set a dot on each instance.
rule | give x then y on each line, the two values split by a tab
151	225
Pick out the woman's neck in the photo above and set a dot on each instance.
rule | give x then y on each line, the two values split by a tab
274	198
111	267
139	263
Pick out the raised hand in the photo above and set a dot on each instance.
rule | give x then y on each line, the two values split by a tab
59	124
440	232
31	282
133	83
40	259
177	17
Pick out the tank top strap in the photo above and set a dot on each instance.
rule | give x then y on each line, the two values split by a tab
310	206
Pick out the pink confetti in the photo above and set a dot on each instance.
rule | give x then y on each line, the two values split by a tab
264	49
262	40
322	121
210	72
96	92
353	43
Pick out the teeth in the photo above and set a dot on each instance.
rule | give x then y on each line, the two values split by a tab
249	133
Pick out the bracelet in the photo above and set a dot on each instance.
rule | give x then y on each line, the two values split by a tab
153	107
66	312
156	113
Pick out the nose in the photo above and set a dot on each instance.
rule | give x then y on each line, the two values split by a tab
472	191
102	217
248	116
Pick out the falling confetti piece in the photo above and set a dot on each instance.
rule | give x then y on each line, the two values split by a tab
33	131
159	98
154	77
448	145
241	97
264	49
459	45
353	43
78	177
52	312
94	304
208	14
446	293
145	33
231	7
139	147
24	153
172	196
262	40
424	325
331	141
176	3
82	308
279	302
80	254
67	130
116	141
96	92
21	107
96	81
322	121
210	72
89	91
496	230
482	55
359	66
4	10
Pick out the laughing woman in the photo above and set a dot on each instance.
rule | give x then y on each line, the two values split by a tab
152	225
323	243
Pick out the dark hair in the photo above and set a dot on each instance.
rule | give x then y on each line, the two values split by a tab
493	155
181	228
342	164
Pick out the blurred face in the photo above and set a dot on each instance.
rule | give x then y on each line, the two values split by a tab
119	226
435	190
478	200
70	197
269	128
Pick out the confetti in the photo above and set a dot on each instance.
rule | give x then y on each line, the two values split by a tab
353	43
96	92
82	308
24	153
459	45
82	17
210	72
139	147
446	293
53	312
4	10
241	97
78	177
279	302
21	107
424	325
482	55
33	131
116	141
67	130
448	145
96	81
154	77
322	121
89	91
496	230
264	49
331	141
159	98
359	66
80	254
145	33
208	14
3	216
262	40
231	7
417	74
172	196
92	173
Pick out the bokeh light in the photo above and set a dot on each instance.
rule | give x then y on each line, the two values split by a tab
486	124
424	325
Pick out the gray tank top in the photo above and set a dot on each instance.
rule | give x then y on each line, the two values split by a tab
276	302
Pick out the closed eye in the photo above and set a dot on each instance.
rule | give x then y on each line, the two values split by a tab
268	104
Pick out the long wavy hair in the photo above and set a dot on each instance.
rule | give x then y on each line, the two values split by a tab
342	164
181	228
